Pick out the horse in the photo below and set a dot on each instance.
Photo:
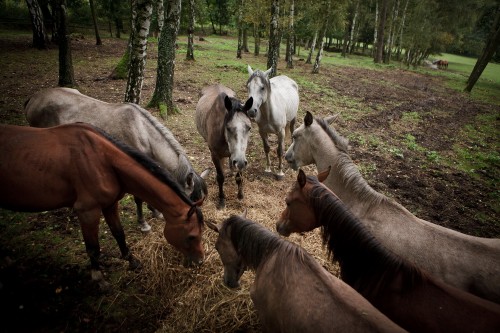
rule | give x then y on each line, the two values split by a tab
292	292
222	120
466	262
129	123
82	167
441	64
409	296
275	106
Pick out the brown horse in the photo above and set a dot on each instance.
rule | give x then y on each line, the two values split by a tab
291	291
464	261
222	120
406	294
81	167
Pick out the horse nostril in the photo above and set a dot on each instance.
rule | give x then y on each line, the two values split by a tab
246	163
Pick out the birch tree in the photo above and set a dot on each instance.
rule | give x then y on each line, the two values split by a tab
379	52
141	21
274	39
190	46
291	35
322	35
163	94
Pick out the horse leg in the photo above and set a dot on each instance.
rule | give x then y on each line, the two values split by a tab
113	220
143	225
281	143
220	180
267	149
239	182
89	222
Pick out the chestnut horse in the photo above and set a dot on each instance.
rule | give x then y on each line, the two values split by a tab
406	294
466	262
292	292
81	167
222	120
127	122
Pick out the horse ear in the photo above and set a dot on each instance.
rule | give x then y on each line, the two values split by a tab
308	119
227	103
244	214
205	173
212	226
269	71
248	104
250	71
331	119
301	178
322	175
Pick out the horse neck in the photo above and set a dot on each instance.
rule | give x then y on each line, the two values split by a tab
364	262
138	181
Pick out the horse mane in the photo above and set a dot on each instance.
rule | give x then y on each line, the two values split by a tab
255	243
364	262
349	171
148	163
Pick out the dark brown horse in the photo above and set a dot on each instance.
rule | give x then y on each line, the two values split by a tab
81	167
291	291
407	295
222	120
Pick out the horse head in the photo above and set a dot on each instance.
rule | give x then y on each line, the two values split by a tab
237	127
259	87
298	215
185	232
233	264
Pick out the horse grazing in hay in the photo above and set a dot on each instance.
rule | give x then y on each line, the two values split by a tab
291	291
275	106
466	262
79	166
222	120
126	121
412	299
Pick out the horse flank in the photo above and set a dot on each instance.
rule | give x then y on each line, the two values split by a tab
361	256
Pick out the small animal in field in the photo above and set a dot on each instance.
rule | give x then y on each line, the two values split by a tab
467	262
81	167
402	291
275	106
127	122
291	291
222	120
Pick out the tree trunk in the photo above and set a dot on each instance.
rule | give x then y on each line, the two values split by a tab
489	50
40	39
190	46
257	40
94	20
401	28
313	46
274	39
162	96
66	73
240	29
380	33
353	28
322	34
245	38
291	34
160	13
392	29
141	21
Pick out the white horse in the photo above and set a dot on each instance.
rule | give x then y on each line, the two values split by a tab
127	122
466	262
275	105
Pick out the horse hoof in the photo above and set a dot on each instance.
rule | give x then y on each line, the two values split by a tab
240	196
157	215
145	227
221	204
279	176
134	264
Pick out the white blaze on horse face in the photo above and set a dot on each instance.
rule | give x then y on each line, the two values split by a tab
237	132
300	152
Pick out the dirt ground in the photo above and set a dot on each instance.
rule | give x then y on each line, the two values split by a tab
42	296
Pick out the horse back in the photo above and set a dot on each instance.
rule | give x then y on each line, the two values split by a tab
44	169
306	298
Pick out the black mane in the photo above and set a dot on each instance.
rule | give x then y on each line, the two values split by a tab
148	163
365	263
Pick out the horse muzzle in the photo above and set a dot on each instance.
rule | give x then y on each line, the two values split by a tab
282	228
193	261
239	164
252	113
